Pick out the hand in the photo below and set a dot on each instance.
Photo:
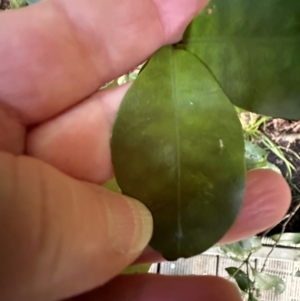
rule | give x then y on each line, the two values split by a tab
61	233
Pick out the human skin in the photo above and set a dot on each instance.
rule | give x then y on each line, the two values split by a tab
61	233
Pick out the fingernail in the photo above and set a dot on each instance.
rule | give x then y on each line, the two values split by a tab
131	225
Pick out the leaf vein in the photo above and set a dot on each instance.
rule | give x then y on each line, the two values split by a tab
178	152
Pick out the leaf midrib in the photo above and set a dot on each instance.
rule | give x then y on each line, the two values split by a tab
178	149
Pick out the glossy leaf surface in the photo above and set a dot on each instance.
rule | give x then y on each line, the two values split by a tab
241	278
287	238
252	244
112	185
17	3
252	47
267	282
137	269
177	146
239	251
255	156
32	1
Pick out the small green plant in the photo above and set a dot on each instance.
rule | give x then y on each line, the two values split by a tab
251	281
251	124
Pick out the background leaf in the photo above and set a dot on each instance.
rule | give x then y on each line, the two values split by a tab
287	238
239	251
267	282
241	278
32	1
252	47
251	244
17	3
255	156
113	186
137	269
234	251
188	169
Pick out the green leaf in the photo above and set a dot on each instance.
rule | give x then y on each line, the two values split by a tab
290	238
234	251
177	146
251	244
17	3
251	297
239	251
252	47
241	278
32	1
137	269
113	186
255	156
297	274
267	282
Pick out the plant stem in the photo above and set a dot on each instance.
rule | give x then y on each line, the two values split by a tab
281	233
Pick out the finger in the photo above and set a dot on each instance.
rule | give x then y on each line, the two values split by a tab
12	132
268	198
162	288
60	237
59	52
77	142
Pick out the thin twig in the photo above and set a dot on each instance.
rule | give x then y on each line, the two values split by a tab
248	280
238	269
246	261
294	186
281	233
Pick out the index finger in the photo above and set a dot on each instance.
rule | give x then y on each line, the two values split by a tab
59	52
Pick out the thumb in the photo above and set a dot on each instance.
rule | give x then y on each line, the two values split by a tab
59	236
